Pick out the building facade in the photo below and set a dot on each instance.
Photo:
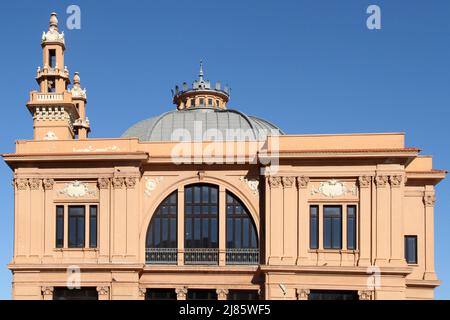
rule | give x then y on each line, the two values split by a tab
206	202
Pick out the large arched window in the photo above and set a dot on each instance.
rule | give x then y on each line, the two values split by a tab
201	224
242	240
161	244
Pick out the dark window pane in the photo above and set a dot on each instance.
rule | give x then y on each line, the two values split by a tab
243	295
351	227
162	232
201	294
332	227
411	249
160	294
314	227
59	226
332	295
93	227
63	293
76	226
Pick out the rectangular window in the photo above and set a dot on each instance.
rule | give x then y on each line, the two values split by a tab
93	226
202	101
314	227
210	102
52	58
351	227
76	226
59	226
192	102
411	249
332	227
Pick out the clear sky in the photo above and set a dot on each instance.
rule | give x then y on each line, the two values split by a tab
308	66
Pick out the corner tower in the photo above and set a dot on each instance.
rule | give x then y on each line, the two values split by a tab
58	112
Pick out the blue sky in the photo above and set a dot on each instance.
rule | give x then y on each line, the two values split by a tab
308	66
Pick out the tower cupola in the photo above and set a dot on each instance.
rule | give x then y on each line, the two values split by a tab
201	94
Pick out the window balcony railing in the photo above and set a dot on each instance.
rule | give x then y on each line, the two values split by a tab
161	255
206	256
242	256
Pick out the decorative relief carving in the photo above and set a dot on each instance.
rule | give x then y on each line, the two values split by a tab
395	180
302	294
47	291
150	184
92	149
288	182
364	181
381	181
118	182
222	294
429	200
48	183
181	293
142	291
77	189
333	188
274	182
302	182
51	136
365	294
103	183
103	290
252	183
34	183
21	184
130	182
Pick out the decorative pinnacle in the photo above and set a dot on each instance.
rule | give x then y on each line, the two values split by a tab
76	78
53	21
200	74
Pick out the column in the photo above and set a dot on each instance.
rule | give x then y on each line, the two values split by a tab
302	294
222	226
397	256
180	230
303	221
119	221
383	233
222	294
103	293
49	218
181	293
276	220
132	215
429	201
364	221
47	293
36	216
289	220
104	218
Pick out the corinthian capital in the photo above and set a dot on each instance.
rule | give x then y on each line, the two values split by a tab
364	181
381	181
429	200
288	182
395	180
302	182
274	182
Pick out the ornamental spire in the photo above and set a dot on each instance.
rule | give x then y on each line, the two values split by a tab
53	24
200	74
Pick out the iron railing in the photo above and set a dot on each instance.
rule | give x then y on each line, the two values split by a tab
161	255
201	256
243	256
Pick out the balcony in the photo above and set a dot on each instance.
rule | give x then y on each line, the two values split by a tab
203	256
242	256
161	255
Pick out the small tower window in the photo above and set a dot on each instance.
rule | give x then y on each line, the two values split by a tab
217	103
192	102
210	102
52	58
202	101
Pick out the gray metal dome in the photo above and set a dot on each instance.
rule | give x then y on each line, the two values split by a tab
202	123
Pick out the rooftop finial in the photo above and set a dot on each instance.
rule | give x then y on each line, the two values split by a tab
200	74
53	21
76	78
